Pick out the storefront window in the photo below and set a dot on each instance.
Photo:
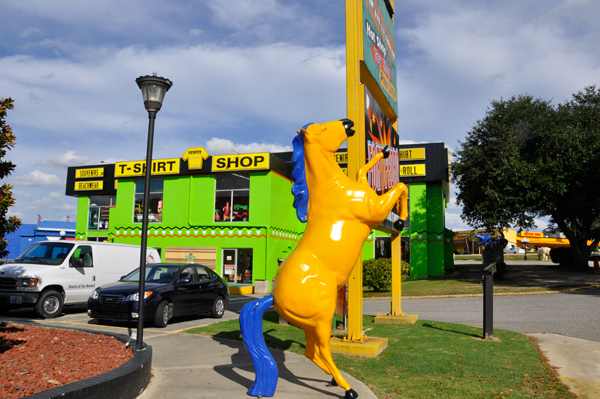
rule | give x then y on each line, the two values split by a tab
232	197
155	202
99	210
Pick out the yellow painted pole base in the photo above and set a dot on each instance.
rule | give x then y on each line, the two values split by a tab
372	346
390	319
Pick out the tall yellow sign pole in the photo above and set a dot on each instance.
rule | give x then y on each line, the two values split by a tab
356	150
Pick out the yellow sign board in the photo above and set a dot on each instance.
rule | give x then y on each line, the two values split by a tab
138	168
87	173
341	157
409	154
225	163
89	185
412	170
531	234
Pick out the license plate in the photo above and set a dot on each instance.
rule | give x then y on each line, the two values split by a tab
16	299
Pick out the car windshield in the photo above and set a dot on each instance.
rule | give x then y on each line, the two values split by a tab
154	274
48	253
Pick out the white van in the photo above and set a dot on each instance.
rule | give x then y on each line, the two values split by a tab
50	274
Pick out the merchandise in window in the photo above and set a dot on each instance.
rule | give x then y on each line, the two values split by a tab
155	200
99	211
232	197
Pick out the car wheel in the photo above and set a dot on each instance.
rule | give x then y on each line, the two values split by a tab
49	304
163	314
218	309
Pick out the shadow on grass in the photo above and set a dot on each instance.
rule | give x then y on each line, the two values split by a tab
451	330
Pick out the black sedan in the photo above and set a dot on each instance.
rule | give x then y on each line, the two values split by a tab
170	290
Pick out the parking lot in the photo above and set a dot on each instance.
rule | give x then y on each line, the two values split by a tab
76	317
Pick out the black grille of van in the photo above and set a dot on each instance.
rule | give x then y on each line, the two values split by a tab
6	282
111	298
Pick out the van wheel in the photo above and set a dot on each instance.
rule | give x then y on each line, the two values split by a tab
163	314
218	309
49	304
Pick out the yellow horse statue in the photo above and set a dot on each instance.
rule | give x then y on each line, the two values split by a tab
340	213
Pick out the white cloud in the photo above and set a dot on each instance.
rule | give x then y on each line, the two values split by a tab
66	208
29	31
241	13
38	178
454	222
69	159
195	32
540	224
47	200
217	146
18	214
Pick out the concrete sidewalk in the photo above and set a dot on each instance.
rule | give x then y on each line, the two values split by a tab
577	362
194	366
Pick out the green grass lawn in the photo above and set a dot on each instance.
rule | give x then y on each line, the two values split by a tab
430	360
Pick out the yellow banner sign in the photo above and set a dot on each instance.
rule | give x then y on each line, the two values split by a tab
341	157
531	234
86	173
412	170
89	185
409	154
138	168
224	163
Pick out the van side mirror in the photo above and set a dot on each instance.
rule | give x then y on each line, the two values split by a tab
76	262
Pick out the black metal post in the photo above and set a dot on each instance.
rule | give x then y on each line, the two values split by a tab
488	301
145	205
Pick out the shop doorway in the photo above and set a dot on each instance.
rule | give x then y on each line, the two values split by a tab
237	265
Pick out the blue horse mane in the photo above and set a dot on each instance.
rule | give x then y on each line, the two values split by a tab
299	188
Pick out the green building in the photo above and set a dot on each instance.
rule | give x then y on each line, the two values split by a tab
232	213
426	241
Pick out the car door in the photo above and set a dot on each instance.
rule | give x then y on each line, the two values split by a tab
81	276
208	288
186	293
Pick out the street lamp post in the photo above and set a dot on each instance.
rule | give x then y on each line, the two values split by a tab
524	241
153	90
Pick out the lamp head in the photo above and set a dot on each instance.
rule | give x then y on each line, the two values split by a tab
153	90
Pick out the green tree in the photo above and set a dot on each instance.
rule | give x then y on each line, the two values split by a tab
470	241
528	158
7	141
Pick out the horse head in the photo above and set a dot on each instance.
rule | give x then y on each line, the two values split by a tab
333	134
329	135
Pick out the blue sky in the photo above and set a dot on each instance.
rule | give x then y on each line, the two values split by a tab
248	73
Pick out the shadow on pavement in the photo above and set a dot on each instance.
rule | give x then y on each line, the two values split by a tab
241	360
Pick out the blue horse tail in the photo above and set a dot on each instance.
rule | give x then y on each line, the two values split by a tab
299	188
262	360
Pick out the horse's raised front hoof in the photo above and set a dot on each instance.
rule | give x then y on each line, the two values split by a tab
333	383
399	224
348	126
350	394
386	152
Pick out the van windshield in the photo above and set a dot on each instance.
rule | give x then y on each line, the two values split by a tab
47	253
